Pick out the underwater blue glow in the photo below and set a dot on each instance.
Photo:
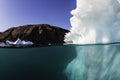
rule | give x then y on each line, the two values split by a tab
95	62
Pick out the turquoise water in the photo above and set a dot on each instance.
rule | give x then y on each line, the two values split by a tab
95	62
61	62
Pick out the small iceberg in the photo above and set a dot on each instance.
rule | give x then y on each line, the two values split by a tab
4	45
19	42
27	42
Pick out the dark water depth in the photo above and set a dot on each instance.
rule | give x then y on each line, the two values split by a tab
37	63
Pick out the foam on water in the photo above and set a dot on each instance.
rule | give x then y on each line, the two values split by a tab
95	21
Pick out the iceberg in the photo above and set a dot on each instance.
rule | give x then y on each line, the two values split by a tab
19	42
96	31
2	44
95	21
27	42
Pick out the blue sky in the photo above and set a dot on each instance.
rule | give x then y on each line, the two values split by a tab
21	12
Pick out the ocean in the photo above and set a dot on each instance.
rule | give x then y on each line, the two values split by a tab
61	62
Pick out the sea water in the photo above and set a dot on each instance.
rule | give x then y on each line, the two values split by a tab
61	62
35	63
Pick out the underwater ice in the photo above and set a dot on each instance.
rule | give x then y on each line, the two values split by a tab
95	62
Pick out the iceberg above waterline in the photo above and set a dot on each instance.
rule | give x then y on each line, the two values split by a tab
17	42
95	21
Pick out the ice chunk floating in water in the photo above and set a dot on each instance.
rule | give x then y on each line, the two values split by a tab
19	42
95	21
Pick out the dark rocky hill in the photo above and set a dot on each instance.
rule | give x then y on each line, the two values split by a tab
38	34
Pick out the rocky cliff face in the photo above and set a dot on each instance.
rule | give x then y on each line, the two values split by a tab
38	34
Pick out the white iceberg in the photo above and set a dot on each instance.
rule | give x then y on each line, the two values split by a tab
19	42
95	21
9	42
4	45
27	42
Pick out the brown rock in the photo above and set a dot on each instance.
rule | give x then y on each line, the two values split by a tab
38	34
